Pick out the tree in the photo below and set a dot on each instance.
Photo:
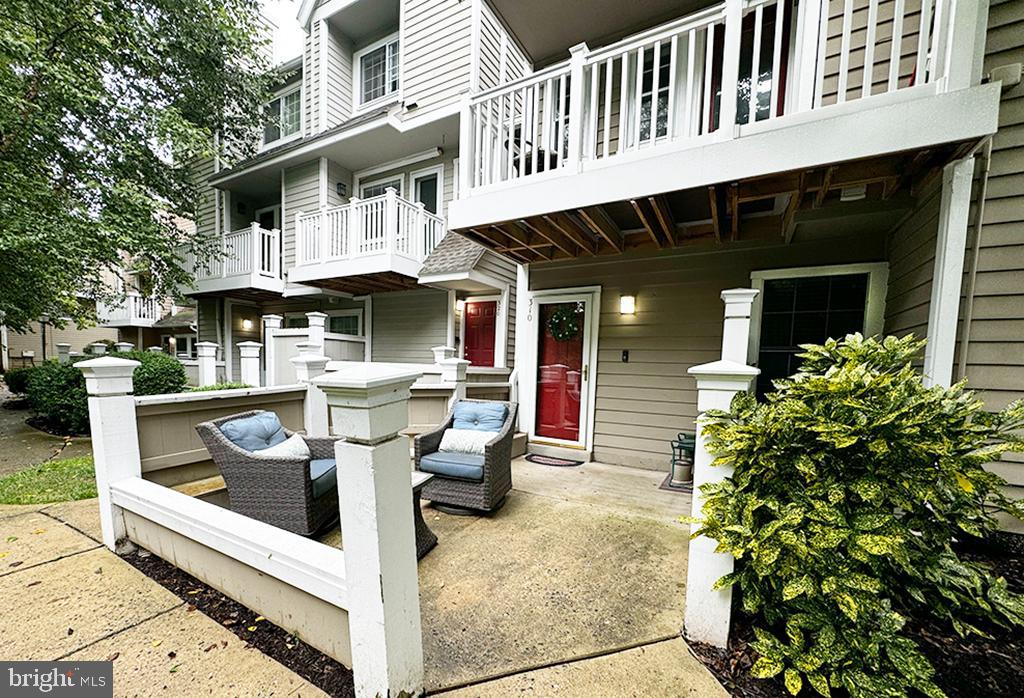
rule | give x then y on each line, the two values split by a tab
105	106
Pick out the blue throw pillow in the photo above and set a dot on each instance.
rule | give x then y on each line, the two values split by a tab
254	433
480	416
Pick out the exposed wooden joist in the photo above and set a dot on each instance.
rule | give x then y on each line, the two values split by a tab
519	248
602	224
564	223
716	212
550	234
646	222
734	211
788	218
663	212
826	184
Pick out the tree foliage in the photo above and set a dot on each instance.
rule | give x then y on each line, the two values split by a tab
104	107
851	484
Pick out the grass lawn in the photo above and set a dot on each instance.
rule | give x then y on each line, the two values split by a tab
62	480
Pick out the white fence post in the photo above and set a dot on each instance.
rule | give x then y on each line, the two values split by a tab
369	408
707	610
309	365
115	436
63	352
317	327
271	323
123	346
249	353
453	371
730	69
206	353
98	348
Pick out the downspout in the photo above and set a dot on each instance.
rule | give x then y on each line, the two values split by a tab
972	274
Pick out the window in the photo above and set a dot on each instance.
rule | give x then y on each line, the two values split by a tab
426	187
379	187
378	70
283	116
292	322
180	345
347	323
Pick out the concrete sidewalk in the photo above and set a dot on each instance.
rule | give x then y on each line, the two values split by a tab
68	597
22	446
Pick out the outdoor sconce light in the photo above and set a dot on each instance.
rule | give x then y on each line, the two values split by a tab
460	305
247	324
627	305
341	189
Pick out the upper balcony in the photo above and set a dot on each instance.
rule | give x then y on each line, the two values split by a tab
135	310
734	93
247	259
365	245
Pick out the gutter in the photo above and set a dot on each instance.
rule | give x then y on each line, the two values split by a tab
972	275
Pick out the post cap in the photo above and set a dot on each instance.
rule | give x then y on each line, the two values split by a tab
364	375
249	343
108	375
316	314
272	320
739	295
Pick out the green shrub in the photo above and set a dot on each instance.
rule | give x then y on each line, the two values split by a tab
851	484
17	379
230	385
56	391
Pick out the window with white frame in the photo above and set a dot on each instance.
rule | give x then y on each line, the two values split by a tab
380	186
283	116
345	322
377	68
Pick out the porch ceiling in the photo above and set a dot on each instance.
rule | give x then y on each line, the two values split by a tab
364	284
774	208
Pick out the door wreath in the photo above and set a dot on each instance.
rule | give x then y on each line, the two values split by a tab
564	324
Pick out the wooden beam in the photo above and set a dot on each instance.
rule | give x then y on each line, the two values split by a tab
663	212
788	222
716	212
602	224
826	184
734	211
564	223
647	223
550	234
519	238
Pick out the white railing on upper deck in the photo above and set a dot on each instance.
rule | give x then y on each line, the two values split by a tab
385	224
251	250
666	84
135	309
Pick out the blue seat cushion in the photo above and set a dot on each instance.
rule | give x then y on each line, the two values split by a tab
480	416
461	466
324	474
254	433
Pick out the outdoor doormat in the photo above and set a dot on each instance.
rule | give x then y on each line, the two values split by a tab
667	485
551	460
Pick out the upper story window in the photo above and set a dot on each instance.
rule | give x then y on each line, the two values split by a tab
377	68
283	116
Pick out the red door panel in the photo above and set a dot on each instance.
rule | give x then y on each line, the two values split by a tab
559	373
480	325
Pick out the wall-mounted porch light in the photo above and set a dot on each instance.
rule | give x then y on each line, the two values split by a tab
247	324
627	305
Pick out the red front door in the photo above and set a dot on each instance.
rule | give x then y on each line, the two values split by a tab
480	324
560	370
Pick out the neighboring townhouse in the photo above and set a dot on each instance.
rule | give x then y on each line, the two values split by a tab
658	154
347	199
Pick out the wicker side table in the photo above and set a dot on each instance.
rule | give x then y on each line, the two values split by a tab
425	538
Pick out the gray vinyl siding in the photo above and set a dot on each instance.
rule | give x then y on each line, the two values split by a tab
504	270
911	266
206	207
207	316
311	80
239	313
641	405
435	45
335	174
339	77
408	324
501	59
78	337
301	194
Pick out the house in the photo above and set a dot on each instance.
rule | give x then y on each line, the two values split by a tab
343	210
659	153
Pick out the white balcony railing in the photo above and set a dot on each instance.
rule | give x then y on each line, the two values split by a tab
248	255
666	84
135	311
385	224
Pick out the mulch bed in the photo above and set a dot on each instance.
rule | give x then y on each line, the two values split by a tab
972	667
277	643
16	403
39	422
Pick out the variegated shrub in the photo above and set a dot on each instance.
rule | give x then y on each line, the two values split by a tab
851	484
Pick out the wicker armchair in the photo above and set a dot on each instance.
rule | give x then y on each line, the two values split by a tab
274	489
486	495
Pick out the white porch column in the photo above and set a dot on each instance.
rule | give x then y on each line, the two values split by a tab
309	365
63	352
577	86
707	611
97	348
206	353
524	312
317	328
115	436
271	323
249	353
369	408
123	346
950	245
453	371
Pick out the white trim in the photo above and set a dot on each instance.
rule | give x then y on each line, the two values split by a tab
498	312
874	308
450	322
358	105
226	351
322	88
428	154
277	219
476	47
368	326
437	170
400	178
528	398
323	177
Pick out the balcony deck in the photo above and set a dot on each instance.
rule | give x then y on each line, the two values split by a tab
246	260
568	162
135	310
365	245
